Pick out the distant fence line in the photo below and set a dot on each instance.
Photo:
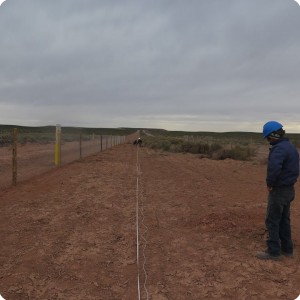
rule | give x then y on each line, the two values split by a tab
27	154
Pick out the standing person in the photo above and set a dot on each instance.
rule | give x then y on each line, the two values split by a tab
282	174
139	142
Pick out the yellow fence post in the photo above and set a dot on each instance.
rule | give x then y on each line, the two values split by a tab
58	146
14	156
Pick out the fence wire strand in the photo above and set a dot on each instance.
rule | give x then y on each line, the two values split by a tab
31	152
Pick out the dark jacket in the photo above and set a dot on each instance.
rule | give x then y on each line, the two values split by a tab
283	164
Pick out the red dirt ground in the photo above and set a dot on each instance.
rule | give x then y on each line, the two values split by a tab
71	233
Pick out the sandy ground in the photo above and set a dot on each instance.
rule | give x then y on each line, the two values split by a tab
71	233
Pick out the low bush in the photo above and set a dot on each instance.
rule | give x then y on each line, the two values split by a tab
211	150
236	152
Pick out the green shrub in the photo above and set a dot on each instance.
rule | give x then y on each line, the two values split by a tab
239	152
215	147
213	150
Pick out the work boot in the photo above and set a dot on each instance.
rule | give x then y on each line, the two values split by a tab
264	255
287	254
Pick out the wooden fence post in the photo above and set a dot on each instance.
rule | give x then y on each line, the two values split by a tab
80	145
14	156
58	146
101	143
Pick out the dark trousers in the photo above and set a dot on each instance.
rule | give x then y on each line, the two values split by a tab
278	220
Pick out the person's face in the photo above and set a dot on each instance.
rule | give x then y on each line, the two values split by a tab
270	140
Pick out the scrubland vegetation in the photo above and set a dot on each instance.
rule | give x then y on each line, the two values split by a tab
234	145
215	149
46	134
213	145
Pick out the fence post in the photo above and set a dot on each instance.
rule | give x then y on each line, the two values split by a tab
93	142
80	145
14	156
58	146
101	143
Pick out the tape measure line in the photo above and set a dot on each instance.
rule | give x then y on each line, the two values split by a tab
140	214
137	229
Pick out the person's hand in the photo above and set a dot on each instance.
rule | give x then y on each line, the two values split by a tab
269	188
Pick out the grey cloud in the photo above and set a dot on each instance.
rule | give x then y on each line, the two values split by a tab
162	59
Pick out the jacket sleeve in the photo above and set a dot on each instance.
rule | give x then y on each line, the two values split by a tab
276	159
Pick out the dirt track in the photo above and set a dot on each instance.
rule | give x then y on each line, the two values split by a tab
71	233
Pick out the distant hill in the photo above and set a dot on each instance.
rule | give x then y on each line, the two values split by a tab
148	131
69	129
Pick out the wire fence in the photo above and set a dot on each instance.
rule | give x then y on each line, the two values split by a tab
24	155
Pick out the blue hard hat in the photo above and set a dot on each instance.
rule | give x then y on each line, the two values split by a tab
270	127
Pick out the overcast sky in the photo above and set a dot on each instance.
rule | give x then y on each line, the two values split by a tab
198	65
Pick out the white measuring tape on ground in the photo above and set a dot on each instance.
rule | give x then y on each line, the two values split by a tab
140	208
